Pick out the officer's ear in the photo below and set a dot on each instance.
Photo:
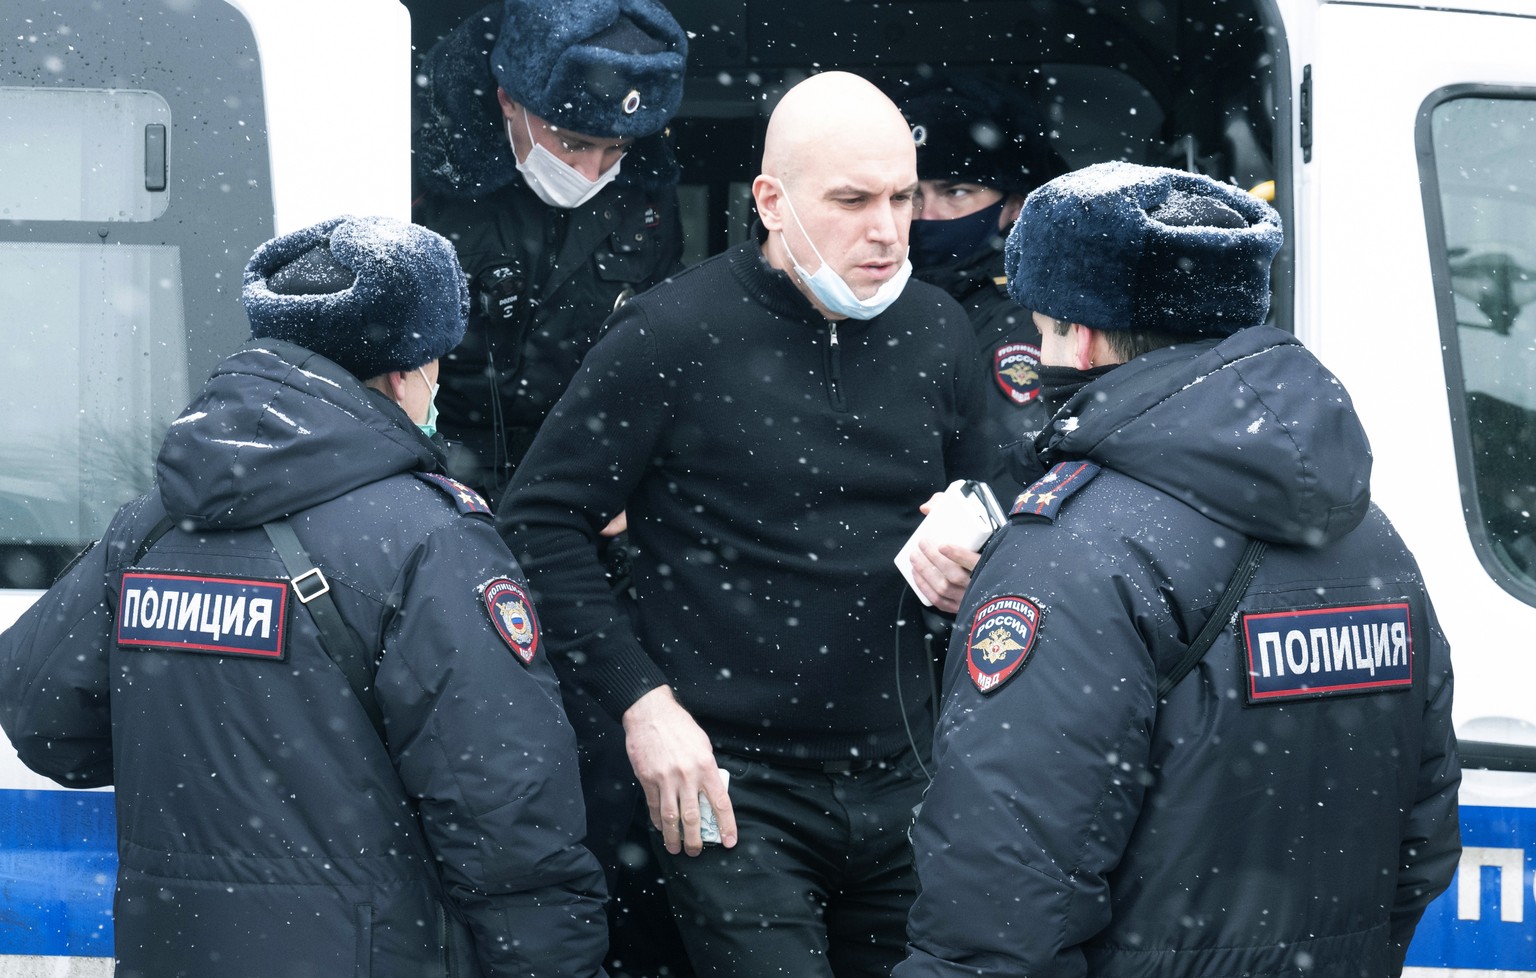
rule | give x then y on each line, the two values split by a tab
1012	205
391	385
1084	346
508	105
1093	349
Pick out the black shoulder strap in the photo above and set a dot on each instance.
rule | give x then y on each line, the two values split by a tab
314	593
1237	586
157	531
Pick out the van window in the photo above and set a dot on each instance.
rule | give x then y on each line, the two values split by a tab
133	187
105	350
82	155
100	370
1482	158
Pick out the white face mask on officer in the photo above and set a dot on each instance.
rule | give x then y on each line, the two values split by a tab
553	180
429	426
830	288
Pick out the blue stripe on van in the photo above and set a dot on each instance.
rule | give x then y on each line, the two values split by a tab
58	866
1483	922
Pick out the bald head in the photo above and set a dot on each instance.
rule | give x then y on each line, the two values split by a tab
834	113
838	183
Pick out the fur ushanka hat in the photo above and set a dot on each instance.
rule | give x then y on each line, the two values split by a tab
608	68
372	294
1123	246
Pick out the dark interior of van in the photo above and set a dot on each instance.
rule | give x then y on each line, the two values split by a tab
1184	83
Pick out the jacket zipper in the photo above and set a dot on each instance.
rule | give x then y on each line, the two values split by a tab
835	369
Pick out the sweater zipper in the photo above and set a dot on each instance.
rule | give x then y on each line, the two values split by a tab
835	370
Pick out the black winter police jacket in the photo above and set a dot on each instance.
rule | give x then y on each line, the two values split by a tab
1008	338
542	279
263	826
1290	807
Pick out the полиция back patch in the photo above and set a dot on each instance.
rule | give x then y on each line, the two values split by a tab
1309	652
200	613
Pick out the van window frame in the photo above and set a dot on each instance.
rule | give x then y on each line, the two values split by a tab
1450	340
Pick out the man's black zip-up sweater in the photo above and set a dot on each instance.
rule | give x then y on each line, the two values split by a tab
771	463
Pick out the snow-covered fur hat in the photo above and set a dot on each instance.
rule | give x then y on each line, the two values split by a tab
971	129
609	68
1123	246
372	294
460	149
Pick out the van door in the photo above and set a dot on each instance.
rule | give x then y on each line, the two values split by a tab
1418	275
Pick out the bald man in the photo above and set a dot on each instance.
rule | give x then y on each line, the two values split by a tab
772	419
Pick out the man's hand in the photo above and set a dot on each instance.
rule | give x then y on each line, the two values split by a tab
942	571
674	763
616	525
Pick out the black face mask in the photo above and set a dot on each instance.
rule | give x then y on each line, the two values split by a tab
1059	384
941	242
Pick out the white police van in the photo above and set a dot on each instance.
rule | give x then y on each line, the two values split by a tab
148	146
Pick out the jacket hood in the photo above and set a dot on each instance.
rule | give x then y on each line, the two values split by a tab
460	145
278	429
1250	430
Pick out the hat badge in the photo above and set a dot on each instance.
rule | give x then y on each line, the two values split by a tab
632	102
920	134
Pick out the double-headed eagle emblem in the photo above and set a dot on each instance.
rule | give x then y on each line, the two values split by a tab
996	646
1022	374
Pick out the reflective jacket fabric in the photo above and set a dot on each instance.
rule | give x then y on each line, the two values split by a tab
262	823
1290	807
542	279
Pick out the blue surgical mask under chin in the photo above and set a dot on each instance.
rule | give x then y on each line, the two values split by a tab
429	426
834	293
940	242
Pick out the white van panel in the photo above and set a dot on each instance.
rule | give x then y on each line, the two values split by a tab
316	126
39	966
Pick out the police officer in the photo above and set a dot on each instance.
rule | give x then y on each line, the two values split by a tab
1197	660
540	153
981	147
310	667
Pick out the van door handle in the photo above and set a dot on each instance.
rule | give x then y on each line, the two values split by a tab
154	157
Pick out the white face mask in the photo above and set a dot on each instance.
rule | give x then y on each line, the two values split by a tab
833	292
429	426
555	181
